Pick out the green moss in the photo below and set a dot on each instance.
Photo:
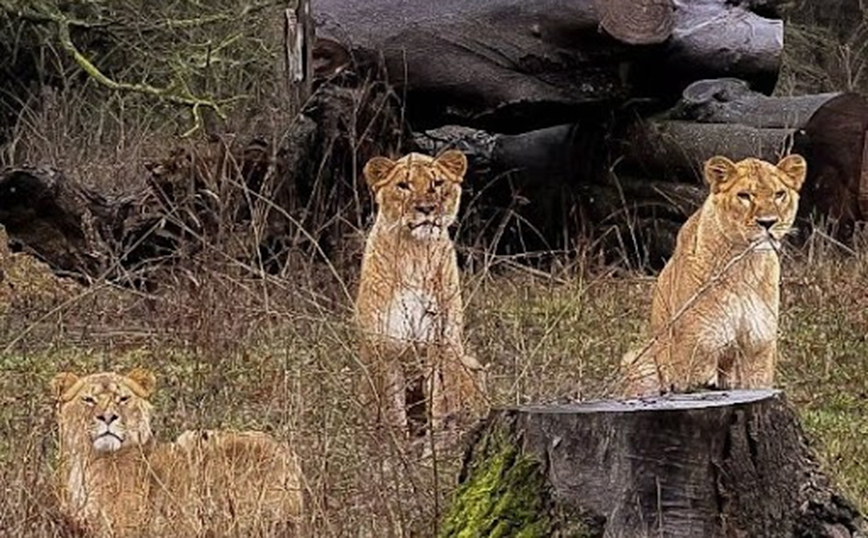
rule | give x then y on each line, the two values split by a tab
506	495
503	496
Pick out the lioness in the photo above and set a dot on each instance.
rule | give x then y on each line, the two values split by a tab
409	307
117	480
714	313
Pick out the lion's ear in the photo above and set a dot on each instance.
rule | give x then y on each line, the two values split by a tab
718	172
377	172
61	383
143	379
454	162
795	168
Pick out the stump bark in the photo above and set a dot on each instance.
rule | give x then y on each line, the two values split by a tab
722	464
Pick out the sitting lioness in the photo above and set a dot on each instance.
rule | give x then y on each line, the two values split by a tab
117	480
409	307
714	313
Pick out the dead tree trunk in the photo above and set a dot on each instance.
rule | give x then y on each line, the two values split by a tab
513	66
715	465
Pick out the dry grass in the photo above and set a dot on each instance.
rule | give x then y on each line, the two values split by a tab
279	354
234	351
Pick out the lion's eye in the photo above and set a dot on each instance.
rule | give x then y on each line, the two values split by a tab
124	399
743	195
89	400
404	186
438	182
780	195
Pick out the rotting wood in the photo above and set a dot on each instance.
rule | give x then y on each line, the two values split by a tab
299	39
863	186
725	117
235	199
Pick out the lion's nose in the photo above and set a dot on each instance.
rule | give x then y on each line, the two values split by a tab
108	418
767	222
425	208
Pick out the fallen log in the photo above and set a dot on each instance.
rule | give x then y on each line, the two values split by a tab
714	38
513	66
62	222
716	465
521	190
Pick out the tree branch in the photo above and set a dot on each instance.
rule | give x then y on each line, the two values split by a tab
183	97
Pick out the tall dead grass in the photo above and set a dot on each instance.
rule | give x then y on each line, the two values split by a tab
236	346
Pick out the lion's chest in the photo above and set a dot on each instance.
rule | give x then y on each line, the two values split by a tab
412	316
741	317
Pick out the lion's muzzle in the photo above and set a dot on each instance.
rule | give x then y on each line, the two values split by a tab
108	433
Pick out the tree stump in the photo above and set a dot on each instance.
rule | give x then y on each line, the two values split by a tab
717	464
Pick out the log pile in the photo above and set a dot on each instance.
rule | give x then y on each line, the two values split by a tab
513	66
584	120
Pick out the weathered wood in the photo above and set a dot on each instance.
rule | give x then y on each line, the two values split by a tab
863	184
674	150
298	28
556	183
730	100
714	38
521	190
719	116
716	465
248	201
514	66
833	142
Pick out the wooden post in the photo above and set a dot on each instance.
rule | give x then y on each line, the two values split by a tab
863	184
298	30
715	464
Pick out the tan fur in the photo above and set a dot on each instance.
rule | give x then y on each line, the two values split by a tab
125	483
714	313
409	308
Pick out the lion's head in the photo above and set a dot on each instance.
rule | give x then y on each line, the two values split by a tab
756	201
104	412
417	194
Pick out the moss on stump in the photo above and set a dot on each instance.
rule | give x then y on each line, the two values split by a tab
504	493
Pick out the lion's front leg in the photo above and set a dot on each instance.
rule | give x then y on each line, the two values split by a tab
689	362
455	387
756	369
639	373
382	387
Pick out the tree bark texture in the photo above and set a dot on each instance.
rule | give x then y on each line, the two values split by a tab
715	465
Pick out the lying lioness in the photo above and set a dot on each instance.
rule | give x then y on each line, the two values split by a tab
117	480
